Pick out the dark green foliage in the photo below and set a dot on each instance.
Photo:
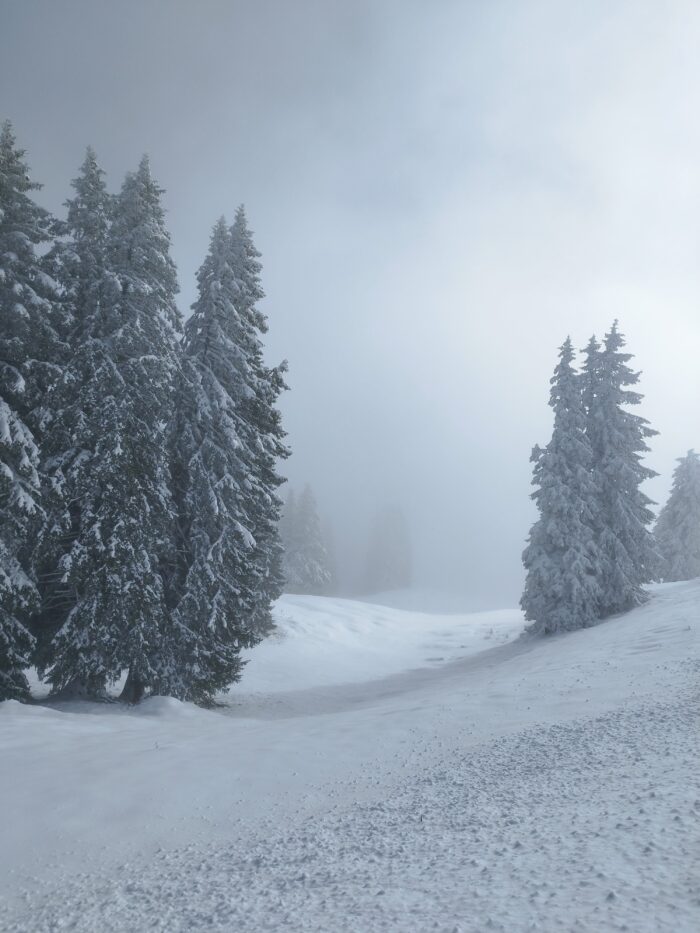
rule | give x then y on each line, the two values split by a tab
30	350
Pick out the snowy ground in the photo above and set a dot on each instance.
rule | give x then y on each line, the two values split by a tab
327	642
447	777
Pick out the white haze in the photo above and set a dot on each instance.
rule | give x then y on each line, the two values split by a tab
441	192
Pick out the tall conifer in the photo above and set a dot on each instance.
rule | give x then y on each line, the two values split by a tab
227	441
70	447
29	358
214	590
618	438
561	559
120	620
261	421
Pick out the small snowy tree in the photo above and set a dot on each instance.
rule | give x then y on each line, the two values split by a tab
389	553
29	354
115	567
306	560
617	438
562	560
677	530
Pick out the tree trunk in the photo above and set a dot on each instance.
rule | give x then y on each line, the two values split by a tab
133	691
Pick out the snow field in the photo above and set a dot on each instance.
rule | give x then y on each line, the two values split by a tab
538	785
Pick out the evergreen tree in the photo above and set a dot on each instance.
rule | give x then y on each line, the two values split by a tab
31	346
216	592
618	440
19	492
677	530
29	355
332	587
306	559
389	553
227	440
561	559
260	423
115	566
69	450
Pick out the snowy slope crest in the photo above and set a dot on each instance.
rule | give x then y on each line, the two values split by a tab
320	642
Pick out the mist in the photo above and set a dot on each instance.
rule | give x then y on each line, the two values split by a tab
441	193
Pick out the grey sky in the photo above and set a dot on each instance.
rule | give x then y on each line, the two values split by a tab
441	191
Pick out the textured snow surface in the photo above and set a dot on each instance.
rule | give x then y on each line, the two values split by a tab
550	785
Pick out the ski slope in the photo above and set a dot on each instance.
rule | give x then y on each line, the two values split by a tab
377	769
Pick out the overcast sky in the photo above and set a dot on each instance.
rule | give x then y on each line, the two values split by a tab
441	190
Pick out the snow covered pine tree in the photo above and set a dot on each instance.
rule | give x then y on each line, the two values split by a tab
74	402
617	438
29	353
226	439
677	530
261	423
562	591
115	566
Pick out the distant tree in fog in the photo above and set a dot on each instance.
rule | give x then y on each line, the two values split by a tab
389	563
331	560
306	565
677	530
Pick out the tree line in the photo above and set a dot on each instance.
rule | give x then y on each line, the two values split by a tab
592	549
138	456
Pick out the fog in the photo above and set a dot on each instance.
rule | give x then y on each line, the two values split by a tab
441	191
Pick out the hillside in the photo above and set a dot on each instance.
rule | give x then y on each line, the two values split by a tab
376	769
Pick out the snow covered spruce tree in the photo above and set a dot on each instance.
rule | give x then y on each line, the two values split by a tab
677	530
213	591
328	536
306	566
69	450
19	491
29	355
617	438
261	422
226	441
562	591
114	566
